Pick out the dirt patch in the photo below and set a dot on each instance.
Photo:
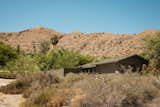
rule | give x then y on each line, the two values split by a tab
9	100
4	82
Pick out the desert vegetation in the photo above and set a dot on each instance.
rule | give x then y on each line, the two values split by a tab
7	54
103	90
152	53
13	62
62	59
37	80
118	90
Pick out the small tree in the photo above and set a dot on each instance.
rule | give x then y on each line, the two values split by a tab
62	59
152	49
54	40
23	64
7	54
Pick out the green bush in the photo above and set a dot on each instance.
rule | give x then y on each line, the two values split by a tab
7	75
152	49
7	54
45	62
12	61
84	59
23	64
63	59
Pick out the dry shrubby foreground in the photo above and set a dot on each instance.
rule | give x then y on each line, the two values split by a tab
83	90
117	90
97	44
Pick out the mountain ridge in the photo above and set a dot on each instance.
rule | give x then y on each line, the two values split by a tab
96	44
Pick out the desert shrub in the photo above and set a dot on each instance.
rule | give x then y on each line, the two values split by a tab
30	82
23	64
72	78
40	98
152	49
7	54
84	59
40	81
46	62
117	90
50	97
113	90
63	59
55	95
14	61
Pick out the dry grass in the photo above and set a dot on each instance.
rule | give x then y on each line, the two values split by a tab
44	89
83	90
117	90
55	95
30	82
105	90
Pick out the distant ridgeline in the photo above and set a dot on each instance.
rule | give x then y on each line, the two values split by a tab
95	44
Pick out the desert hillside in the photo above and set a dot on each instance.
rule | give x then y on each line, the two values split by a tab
97	44
27	38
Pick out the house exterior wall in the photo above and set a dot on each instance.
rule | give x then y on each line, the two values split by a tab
79	70
135	62
71	70
88	70
108	68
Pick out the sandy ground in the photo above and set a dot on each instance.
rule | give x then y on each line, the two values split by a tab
4	82
8	100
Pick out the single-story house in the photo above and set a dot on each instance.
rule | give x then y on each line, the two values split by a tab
132	62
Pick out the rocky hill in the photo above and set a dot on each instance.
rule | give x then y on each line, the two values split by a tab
28	38
97	44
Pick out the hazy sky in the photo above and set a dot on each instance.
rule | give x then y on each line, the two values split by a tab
117	16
